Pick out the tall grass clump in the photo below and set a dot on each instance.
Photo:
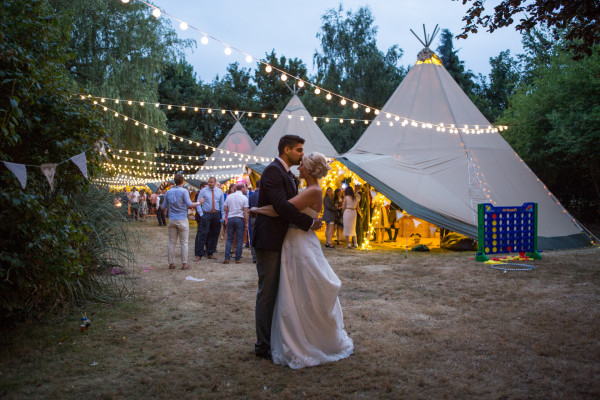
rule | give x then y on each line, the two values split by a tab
60	249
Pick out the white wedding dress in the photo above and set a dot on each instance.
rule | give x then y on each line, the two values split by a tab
308	325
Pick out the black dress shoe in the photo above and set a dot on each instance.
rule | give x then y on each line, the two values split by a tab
266	356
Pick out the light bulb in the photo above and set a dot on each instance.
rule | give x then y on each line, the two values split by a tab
388	115
317	91
367	110
228	50
284	77
268	69
209	110
328	97
156	12
300	83
376	112
183	26
248	59
343	102
125	1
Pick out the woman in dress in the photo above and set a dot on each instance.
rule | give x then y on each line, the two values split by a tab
308	325
143	205
349	206
338	199
329	211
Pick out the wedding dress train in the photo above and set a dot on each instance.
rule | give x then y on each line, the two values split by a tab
308	325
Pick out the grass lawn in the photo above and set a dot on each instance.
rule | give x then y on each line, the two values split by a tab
425	326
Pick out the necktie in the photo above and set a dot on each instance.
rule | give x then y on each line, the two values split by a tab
213	199
292	179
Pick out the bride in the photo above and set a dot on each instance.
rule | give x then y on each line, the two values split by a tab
308	326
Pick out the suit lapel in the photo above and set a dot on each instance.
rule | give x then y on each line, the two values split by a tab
290	190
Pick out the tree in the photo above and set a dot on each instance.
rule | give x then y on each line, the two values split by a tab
578	19
49	244
350	63
455	66
503	81
119	52
555	120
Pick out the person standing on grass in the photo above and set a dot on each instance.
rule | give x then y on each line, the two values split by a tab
277	185
329	210
125	203
236	207
349	206
134	201
213	215
198	217
177	200
253	202
160	215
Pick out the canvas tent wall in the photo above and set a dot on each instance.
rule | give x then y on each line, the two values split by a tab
441	176
293	120
223	163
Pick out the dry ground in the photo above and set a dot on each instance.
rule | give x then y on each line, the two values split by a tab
426	326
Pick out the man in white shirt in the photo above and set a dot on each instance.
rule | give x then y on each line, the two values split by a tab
236	205
213	215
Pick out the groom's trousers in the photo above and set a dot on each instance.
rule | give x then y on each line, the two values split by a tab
268	264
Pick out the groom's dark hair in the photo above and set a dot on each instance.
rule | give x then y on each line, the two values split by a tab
288	141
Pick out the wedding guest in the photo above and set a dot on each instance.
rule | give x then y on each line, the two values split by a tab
134	203
236	207
198	217
253	202
394	224
143	205
338	199
329	210
125	203
177	200
213	215
380	218
160	214
153	197
349	206
359	215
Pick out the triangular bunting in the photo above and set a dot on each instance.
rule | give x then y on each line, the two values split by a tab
81	162
49	170
432	229
19	170
417	223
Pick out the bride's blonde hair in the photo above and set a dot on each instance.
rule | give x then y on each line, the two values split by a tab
316	164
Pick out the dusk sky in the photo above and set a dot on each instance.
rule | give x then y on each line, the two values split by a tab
290	28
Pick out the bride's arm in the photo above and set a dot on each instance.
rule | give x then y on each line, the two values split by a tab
269	211
309	196
300	201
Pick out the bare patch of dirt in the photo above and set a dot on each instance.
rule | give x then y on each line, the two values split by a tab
425	325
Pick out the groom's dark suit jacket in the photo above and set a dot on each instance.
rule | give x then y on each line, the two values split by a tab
276	188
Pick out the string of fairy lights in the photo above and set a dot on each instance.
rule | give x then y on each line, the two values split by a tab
440	127
227	154
317	90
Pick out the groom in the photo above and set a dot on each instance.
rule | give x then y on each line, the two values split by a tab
277	186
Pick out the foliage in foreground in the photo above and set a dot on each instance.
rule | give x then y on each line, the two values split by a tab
52	248
555	118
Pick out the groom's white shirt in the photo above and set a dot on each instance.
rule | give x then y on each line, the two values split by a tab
287	167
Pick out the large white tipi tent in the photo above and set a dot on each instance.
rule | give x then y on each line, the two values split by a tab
293	120
441	157
228	160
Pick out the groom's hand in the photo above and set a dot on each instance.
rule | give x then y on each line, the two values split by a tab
317	223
